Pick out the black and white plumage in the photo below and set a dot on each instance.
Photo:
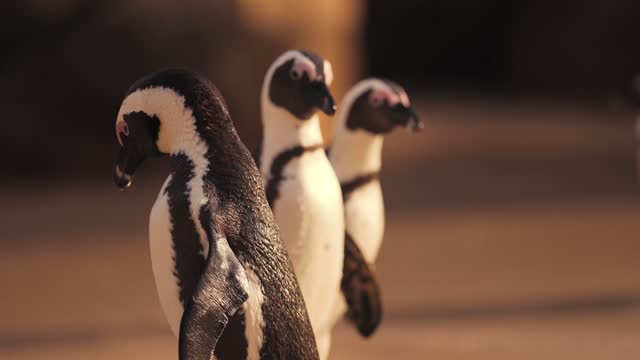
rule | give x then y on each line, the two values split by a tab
301	185
371	109
215	247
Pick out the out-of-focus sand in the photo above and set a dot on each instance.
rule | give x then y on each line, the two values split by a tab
512	233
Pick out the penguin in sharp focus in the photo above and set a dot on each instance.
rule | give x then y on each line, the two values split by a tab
300	183
371	109
223	277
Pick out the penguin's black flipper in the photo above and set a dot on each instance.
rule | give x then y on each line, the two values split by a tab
221	290
360	289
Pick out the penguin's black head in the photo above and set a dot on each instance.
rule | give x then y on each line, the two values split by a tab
298	81
166	112
378	106
137	135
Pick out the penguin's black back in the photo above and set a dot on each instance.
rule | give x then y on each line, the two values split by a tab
254	237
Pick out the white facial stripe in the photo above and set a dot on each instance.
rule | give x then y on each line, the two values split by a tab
301	61
168	106
178	134
386	94
328	72
383	91
306	67
304	63
404	98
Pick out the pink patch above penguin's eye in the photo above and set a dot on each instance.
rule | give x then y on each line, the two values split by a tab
380	97
376	99
121	129
301	67
384	96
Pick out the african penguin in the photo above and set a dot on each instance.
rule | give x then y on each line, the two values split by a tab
301	186
371	109
215	248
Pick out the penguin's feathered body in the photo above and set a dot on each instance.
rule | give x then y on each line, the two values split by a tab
370	110
222	274
301	185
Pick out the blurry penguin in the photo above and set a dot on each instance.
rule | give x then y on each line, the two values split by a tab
370	110
215	248
300	183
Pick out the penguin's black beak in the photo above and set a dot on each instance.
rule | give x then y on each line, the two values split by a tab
322	98
127	161
413	123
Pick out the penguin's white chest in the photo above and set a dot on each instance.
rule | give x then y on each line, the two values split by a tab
364	219
163	262
310	214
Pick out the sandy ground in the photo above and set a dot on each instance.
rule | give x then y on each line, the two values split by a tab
512	234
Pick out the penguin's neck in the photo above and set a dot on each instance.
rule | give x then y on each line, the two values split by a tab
189	165
354	153
185	140
189	158
283	131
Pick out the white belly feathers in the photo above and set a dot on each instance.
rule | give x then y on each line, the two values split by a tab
364	219
163	260
309	211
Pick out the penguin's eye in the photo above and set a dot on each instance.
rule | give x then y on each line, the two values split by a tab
122	130
295	74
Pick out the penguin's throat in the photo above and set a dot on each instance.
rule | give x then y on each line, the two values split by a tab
192	152
354	153
282	130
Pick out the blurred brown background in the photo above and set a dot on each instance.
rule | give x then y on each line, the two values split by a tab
512	228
